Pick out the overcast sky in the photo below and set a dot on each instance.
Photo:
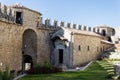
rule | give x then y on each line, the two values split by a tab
85	12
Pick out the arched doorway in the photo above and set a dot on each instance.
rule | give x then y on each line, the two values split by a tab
29	48
27	62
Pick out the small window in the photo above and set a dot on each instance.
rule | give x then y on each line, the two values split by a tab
101	49
79	47
98	49
19	17
88	48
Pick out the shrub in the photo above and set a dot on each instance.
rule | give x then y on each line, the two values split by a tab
46	68
109	76
47	65
6	75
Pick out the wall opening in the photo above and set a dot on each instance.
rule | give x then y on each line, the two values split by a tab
61	56
109	39
19	17
88	48
103	32
27	62
29	47
79	47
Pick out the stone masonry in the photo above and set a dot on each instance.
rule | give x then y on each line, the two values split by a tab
24	38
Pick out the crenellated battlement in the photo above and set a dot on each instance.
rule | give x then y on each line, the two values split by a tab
53	25
7	13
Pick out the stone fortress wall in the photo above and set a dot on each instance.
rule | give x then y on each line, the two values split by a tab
23	34
88	47
11	38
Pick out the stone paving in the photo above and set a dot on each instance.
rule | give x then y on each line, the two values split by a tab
79	68
18	77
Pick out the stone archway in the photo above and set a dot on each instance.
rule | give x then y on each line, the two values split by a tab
29	47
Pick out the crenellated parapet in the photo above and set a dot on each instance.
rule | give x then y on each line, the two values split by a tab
74	26
89	28
7	14
53	25
80	27
62	24
85	28
47	23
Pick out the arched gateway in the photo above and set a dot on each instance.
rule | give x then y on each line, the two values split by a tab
29	49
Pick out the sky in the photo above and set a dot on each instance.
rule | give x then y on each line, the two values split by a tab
84	12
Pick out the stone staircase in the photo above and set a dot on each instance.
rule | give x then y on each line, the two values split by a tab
111	61
108	66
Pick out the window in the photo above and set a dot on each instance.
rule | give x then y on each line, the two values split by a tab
101	49
79	47
88	48
98	49
19	17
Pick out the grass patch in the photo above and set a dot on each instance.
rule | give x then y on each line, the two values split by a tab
93	72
